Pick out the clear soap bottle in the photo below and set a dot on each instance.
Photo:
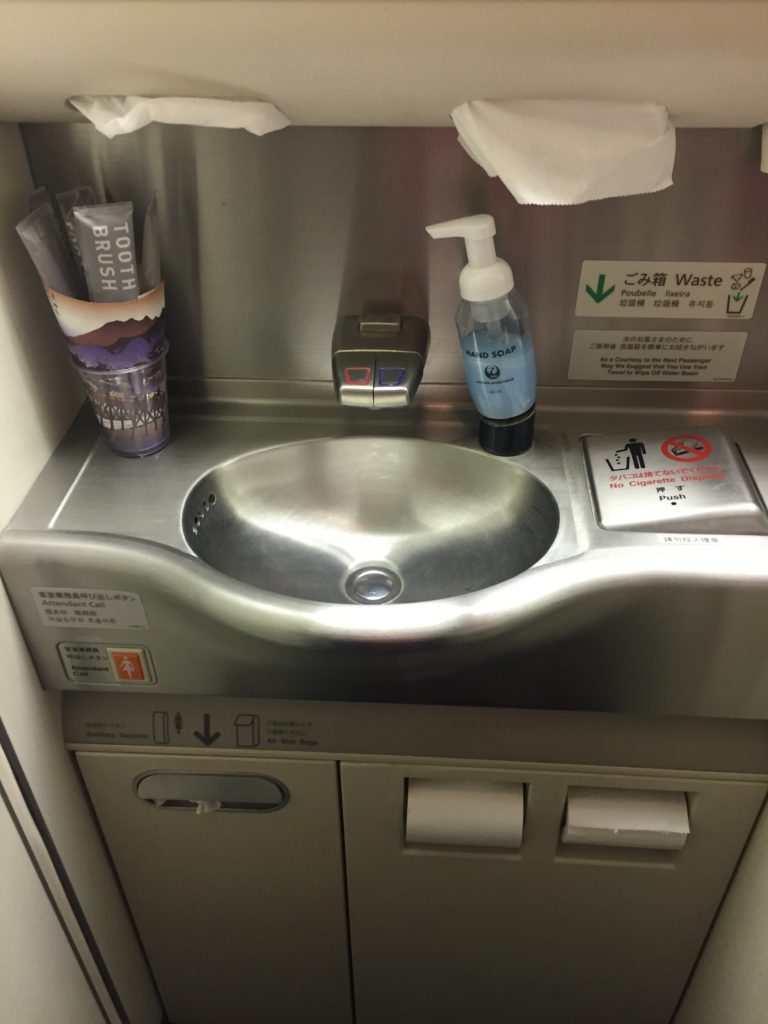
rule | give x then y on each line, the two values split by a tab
496	346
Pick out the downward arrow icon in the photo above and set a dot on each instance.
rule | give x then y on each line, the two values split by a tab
602	292
206	736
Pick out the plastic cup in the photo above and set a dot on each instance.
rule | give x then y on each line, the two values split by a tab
131	405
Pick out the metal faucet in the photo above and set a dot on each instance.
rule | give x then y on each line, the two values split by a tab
378	359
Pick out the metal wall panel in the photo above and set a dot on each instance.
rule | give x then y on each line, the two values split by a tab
266	241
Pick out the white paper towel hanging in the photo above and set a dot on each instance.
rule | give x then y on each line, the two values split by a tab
644	819
561	152
119	115
464	813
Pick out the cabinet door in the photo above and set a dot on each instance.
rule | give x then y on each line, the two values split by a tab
241	910
543	934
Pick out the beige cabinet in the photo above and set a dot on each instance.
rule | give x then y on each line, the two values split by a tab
509	908
242	911
543	933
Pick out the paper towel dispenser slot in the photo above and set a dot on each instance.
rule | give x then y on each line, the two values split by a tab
205	793
461	813
642	819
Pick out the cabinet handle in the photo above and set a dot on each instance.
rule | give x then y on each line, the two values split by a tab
205	793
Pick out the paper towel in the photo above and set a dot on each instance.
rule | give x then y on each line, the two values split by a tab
207	806
118	115
464	813
644	819
560	152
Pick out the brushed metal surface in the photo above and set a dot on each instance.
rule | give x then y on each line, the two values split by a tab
266	242
605	620
301	520
360	730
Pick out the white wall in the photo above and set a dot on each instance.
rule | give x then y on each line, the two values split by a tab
40	979
39	395
389	62
730	985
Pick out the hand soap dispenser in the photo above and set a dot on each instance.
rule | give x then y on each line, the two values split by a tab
492	320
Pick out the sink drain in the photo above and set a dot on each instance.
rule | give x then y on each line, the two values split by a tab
373	585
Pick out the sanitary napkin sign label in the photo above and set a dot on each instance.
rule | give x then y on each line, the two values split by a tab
658	289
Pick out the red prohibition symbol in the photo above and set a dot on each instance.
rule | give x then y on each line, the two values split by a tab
686	448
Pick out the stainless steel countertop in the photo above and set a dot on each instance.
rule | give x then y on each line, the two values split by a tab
606	620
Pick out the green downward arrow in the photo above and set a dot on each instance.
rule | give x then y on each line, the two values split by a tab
602	292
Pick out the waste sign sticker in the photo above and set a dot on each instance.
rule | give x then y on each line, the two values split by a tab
661	289
686	448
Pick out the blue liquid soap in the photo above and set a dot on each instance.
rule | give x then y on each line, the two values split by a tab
498	358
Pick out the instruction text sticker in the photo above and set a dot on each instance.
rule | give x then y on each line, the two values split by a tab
636	355
90	609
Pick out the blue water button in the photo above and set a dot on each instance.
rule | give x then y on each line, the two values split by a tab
391	376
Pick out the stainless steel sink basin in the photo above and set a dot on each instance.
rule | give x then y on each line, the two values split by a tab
370	520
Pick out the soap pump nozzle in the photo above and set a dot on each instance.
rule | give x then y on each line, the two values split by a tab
486	276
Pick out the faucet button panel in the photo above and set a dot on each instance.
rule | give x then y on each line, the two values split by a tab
378	360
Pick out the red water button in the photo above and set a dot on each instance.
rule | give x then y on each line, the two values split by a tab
358	376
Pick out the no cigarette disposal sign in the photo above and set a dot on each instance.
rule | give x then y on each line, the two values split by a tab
686	448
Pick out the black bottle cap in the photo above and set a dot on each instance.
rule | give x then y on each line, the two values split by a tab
508	437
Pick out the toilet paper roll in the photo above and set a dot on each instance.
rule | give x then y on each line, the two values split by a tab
464	813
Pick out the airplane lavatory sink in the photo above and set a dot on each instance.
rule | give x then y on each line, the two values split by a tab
308	556
370	520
